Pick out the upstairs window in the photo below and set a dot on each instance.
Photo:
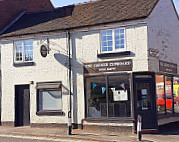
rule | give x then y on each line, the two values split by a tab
113	40
23	51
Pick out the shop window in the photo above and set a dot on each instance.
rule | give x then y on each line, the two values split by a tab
114	102
160	94
168	94
113	40
49	98
96	96
176	93
119	96
23	51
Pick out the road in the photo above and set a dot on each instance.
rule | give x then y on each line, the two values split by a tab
7	139
31	139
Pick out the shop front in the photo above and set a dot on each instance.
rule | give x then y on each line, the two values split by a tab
115	94
167	93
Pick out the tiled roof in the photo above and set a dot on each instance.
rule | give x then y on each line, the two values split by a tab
81	15
10	9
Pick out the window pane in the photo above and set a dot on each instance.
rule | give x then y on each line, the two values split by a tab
104	49
109	48
117	47
143	96
107	42
119	39
117	42
17	43
109	37
121	35
96	97
176	94
28	42
117	32
121	46
28	47
109	32
26	56
50	100
103	33
18	51
122	41
30	55
104	44
119	96
168	91
104	38
17	56
121	31
160	97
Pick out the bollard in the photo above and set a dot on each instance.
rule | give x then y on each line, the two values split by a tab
139	127
69	124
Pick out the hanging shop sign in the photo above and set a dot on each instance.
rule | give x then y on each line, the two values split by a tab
43	51
167	67
108	66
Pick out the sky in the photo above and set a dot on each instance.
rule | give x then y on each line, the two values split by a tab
59	3
177	4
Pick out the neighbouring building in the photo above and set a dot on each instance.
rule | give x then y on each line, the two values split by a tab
124	62
11	9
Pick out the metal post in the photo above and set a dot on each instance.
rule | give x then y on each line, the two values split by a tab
139	127
69	112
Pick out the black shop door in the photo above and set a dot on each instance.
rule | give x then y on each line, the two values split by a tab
145	101
22	105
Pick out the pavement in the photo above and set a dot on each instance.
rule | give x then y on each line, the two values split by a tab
60	135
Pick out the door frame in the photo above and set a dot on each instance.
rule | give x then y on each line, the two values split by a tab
153	97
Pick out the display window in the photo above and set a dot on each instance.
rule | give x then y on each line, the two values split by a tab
108	96
160	94
176	94
167	94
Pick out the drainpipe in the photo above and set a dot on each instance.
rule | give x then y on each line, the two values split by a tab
70	71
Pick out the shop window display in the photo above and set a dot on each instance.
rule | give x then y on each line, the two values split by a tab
168	93
96	96
176	93
108	96
119	96
160	96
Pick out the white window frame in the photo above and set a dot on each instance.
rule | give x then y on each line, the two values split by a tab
23	51
113	40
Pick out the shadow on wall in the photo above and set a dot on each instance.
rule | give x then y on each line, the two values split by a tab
77	68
